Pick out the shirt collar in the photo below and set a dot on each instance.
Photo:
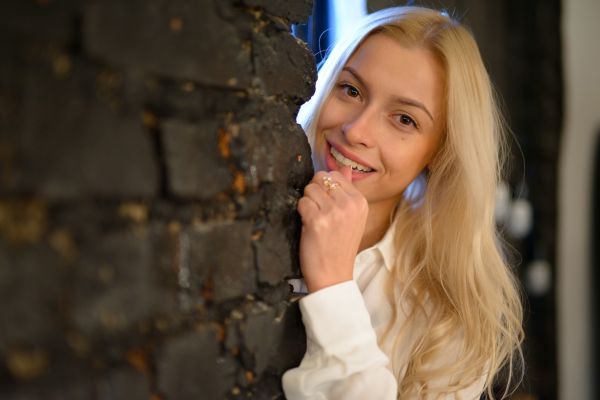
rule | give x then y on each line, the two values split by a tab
386	247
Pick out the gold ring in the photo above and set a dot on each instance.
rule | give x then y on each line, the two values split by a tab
329	183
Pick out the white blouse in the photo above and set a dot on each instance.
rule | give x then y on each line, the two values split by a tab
343	323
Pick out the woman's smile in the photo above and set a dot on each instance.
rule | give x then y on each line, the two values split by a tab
336	157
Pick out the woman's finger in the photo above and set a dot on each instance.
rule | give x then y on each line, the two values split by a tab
346	172
335	181
307	208
335	191
344	178
319	195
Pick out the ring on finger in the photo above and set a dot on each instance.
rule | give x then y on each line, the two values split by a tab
330	184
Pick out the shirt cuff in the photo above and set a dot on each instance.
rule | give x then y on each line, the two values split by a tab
336	318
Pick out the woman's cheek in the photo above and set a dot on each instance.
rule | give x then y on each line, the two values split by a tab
319	152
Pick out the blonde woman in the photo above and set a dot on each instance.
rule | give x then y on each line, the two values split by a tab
408	293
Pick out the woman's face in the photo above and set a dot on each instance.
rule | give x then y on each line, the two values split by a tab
385	117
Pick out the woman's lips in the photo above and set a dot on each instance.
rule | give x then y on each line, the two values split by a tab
332	165
351	156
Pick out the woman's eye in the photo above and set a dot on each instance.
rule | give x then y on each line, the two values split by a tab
350	90
406	119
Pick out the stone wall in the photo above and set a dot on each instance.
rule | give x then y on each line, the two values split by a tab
150	167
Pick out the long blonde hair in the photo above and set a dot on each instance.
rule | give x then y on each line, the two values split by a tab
449	267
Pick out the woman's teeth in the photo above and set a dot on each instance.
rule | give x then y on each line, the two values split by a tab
343	160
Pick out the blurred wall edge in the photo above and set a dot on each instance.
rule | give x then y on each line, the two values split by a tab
582	88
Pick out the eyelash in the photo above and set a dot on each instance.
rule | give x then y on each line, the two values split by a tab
345	86
406	118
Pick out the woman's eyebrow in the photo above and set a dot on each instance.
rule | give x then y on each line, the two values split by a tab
411	102
355	74
395	99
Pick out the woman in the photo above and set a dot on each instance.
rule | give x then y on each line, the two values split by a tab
409	296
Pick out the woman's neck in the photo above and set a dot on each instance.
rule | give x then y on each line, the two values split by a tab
378	222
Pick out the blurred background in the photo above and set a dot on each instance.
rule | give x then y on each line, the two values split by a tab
543	57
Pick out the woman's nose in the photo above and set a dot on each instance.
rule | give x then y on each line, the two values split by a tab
358	129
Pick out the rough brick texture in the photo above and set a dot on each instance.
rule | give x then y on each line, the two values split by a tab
150	167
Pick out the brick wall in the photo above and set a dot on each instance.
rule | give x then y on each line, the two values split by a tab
149	171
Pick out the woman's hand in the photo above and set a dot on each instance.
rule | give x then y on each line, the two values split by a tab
333	223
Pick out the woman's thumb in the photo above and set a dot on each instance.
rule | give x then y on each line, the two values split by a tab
347	172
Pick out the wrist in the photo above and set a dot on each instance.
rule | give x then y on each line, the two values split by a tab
314	285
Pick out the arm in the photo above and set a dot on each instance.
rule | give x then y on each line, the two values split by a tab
343	360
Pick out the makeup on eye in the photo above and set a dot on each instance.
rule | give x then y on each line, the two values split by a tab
402	118
405	120
394	99
348	88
